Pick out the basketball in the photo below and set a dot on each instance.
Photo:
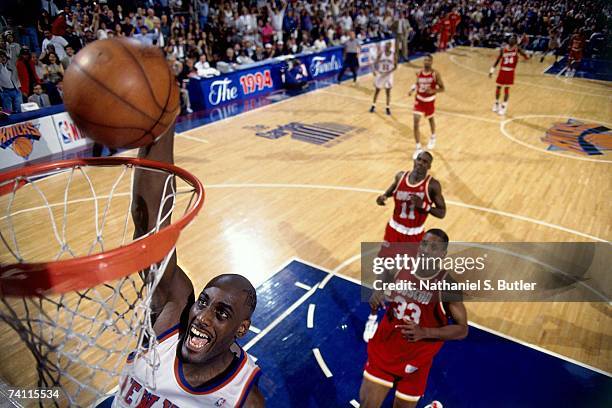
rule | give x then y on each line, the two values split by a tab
121	93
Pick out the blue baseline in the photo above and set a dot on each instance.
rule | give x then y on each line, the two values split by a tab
589	68
484	370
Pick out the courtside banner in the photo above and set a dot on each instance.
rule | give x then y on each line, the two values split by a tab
369	51
26	141
488	272
68	134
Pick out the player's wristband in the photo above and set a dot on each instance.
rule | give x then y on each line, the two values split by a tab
413	88
492	70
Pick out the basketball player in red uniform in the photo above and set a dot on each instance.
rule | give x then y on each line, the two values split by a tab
576	47
508	55
445	33
416	195
455	18
411	333
428	84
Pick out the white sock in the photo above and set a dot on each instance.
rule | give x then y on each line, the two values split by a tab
418	147
433	135
504	105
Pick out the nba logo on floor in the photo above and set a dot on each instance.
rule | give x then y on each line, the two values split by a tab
584	138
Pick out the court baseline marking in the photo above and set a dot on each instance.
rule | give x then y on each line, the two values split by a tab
508	135
453	59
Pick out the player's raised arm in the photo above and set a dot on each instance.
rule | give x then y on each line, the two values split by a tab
175	289
438	210
499	57
380	200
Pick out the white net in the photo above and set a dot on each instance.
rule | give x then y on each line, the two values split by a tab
80	340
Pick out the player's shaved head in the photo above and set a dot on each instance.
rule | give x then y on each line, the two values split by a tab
236	283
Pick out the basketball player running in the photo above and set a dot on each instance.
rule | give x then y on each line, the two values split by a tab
508	55
576	46
428	84
384	66
200	363
412	331
416	195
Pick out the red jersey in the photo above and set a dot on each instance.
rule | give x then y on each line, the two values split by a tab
577	43
509	59
421	305
446	26
406	218
455	19
426	81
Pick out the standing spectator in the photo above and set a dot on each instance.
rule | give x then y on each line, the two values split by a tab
9	86
39	67
267	32
202	10
290	24
26	72
58	27
39	97
351	52
50	7
12	47
278	16
72	39
401	29
58	43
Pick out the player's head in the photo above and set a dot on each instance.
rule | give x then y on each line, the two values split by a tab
428	61
219	315
512	41
434	244
423	162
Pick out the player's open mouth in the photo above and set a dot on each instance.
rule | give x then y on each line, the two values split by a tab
197	339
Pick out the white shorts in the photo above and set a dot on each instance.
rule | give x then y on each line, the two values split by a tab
384	81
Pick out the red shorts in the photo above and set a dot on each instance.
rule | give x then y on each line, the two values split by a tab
505	78
408	387
392	235
575	56
426	109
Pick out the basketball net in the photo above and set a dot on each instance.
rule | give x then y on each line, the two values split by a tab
80	328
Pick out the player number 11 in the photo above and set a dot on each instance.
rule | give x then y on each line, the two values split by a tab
410	215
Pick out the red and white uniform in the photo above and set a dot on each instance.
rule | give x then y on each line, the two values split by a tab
576	47
171	388
445	33
424	103
509	60
455	19
408	223
393	360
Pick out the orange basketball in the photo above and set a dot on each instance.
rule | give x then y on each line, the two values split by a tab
121	93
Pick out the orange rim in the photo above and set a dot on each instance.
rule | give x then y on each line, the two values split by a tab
35	279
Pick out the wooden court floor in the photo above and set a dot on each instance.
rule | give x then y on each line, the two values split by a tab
270	200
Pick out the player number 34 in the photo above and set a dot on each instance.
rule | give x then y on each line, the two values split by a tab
38	393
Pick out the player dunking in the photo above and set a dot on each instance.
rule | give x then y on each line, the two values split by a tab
412	331
384	66
505	78
200	363
576	46
428	84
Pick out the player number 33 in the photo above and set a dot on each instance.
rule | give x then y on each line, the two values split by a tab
38	393
406	311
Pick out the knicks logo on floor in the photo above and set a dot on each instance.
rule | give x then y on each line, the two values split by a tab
589	139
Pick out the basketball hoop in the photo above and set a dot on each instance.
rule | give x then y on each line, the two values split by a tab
82	310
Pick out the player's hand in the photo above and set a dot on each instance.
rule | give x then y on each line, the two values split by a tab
416	201
380	200
412	331
410	92
491	71
377	300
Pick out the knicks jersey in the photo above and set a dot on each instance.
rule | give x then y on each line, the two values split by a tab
386	62
426	81
407	219
173	391
419	305
509	59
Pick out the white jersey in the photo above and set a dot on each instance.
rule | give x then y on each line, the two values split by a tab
385	66
173	391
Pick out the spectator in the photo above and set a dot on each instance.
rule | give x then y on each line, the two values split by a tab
149	38
26	72
54	73
39	67
203	68
319	43
58	44
68	58
39	97
267	32
9	86
72	39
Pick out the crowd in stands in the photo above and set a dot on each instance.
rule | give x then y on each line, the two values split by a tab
203	38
